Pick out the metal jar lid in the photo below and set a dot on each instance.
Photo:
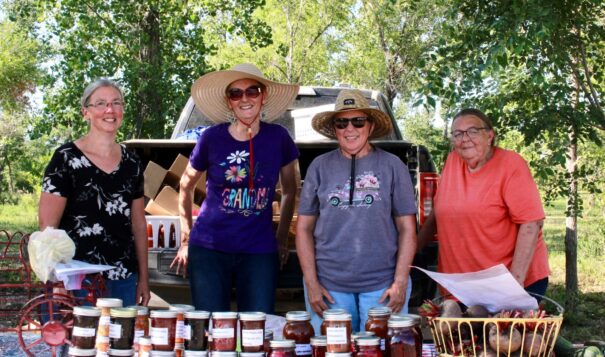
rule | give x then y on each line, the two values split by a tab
368	341
224	315
197	314
108	302
401	322
252	354
338	317
141	310
122	312
162	353
379	311
298	316
87	311
360	334
333	312
163	314
181	307
252	316
282	343
319	341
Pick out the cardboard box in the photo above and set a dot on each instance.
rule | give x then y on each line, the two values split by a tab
166	203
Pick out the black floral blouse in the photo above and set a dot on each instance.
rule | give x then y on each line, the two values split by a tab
97	214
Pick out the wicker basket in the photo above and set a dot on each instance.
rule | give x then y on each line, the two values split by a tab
464	336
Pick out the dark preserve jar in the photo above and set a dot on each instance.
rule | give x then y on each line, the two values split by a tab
377	322
338	333
196	326
121	328
282	348
368	347
402	341
163	329
223	331
252	331
326	313
79	352
84	332
318	346
298	328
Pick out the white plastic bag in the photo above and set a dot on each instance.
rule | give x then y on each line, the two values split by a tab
46	249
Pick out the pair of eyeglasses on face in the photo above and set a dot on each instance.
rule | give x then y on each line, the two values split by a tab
343	123
102	105
472	133
236	94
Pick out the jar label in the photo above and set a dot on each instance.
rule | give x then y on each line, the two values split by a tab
223	333
83	331
188	332
115	331
303	349
159	335
138	334
104	320
336	335
253	337
102	354
180	329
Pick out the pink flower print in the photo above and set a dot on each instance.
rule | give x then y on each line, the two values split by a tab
235	174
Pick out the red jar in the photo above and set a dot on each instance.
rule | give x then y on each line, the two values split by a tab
223	331
298	328
417	327
368	346
179	335
338	333
355	336
282	348
327	313
163	329
252	331
402	340
141	324
318	346
377	322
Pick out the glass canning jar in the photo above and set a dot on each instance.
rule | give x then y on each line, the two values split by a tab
355	336
338	333
141	324
144	346
163	329
368	346
282	348
105	304
298	328
377	322
318	346
223	331
84	331
121	328
179	335
268	338
402	340
322	328
196	327
252	331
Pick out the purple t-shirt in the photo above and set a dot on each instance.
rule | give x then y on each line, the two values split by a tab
233	218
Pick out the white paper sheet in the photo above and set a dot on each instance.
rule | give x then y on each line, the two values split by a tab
73	273
494	288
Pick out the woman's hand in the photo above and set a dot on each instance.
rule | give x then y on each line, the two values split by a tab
283	251
396	296
318	295
181	260
143	294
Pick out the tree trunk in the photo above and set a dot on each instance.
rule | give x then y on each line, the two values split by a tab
571	226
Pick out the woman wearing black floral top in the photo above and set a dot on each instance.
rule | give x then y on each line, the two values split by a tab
93	189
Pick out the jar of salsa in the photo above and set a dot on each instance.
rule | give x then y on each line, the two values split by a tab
368	346
377	322
318	346
338	333
402	341
282	348
80	352
223	331
144	346
105	304
163	329
252	331
355	336
179	337
141	324
84	331
196	326
119	353
322	328
121	328
298	328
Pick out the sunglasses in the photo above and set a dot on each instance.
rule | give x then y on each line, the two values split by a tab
343	123
236	94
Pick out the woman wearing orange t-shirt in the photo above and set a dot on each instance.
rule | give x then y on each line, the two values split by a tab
487	208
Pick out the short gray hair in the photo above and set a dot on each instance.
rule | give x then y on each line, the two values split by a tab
99	83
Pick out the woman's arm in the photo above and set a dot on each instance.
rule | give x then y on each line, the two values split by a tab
50	210
527	239
287	177
139	230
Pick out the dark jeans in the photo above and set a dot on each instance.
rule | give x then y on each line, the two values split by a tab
212	274
539	288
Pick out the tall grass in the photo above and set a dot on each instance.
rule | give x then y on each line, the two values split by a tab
22	216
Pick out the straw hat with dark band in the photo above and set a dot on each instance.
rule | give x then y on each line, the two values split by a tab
352	99
209	93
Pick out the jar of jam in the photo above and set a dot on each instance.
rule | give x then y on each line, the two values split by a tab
268	338
357	335
163	329
144	346
84	331
162	353
338	333
368	346
189	353
223	331
80	352
252	331
117	353
298	328
402	341
105	304
196	326
121	328
318	346
377	322
179	337
141	324
326	313
282	348
417	320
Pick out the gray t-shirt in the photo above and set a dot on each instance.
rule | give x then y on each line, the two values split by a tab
356	245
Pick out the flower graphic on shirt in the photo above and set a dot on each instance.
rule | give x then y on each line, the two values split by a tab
47	185
96	229
117	205
77	163
238	156
235	174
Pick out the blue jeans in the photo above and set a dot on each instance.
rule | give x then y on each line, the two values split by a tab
125	289
357	304
212	274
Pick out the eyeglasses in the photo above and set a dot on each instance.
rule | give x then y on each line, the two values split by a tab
103	105
472	133
343	123
236	94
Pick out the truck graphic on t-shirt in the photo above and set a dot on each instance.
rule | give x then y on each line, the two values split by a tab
367	187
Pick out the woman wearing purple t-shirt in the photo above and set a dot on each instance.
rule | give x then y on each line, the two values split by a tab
243	157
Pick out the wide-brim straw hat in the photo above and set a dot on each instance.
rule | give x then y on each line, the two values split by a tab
209	93
347	100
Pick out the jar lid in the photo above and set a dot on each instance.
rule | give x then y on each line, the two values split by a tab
196	353
145	340
251	354
153	353
298	316
379	311
223	354
361	334
414	317
181	307
224	315
141	310
199	314
74	351
113	352
268	334
109	302
338	317
87	311
338	354
252	316
401	322
368	341
123	312
333	312
163	314
282	343
319	341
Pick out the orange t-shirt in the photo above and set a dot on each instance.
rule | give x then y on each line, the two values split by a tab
478	214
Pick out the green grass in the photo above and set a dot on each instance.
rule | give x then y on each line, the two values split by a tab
20	217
